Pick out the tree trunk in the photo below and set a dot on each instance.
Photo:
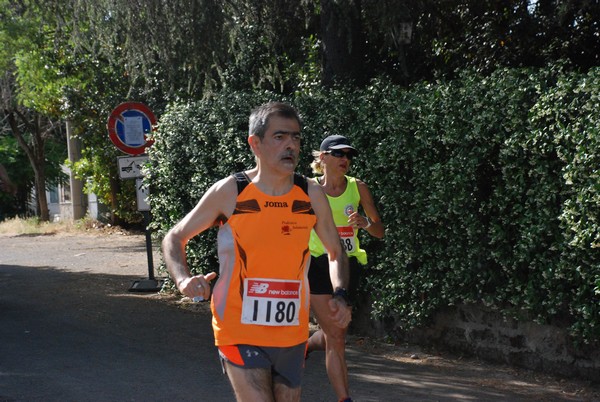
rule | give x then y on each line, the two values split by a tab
40	189
36	155
78	206
341	31
115	186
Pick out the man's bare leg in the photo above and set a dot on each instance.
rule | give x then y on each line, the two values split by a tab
256	385
333	339
250	385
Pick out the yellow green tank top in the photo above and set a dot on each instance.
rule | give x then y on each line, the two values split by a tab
342	207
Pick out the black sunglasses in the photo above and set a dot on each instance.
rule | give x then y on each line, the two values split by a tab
338	153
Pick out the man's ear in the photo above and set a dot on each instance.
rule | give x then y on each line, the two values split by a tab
253	140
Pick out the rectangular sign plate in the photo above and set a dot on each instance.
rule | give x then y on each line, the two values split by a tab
130	167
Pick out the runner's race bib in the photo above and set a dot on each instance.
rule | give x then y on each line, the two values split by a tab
347	238
273	302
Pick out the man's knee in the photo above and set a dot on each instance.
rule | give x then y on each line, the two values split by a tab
336	339
283	392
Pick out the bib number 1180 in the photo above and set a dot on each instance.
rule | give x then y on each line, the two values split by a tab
271	302
281	313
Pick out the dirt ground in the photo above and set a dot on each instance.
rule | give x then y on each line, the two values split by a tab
66	303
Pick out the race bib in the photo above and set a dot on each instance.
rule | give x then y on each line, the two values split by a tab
347	238
273	302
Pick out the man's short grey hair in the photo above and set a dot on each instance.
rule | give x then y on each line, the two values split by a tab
259	118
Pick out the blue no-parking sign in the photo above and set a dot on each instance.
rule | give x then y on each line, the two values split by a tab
129	127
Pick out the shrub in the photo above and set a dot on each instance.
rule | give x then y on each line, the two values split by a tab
488	187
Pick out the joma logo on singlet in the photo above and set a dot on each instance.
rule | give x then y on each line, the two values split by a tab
272	204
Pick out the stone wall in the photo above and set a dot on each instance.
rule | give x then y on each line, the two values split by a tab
477	331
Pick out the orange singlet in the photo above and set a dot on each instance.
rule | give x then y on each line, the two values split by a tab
262	295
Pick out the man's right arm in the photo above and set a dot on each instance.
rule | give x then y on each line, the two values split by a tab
217	201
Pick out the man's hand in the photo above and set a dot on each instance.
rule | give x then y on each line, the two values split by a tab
197	286
341	313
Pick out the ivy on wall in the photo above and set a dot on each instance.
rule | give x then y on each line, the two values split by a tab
489	187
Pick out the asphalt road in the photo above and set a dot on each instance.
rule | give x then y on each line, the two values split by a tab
70	330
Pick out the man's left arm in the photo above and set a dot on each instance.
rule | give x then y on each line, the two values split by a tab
338	260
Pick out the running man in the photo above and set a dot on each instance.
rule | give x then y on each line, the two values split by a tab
260	303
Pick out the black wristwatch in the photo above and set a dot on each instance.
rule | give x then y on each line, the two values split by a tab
341	292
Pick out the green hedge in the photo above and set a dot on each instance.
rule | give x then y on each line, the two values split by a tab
488	187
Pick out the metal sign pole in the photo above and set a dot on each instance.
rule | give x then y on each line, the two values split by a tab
150	284
147	219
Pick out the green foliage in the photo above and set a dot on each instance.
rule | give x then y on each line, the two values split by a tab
78	59
573	129
20	174
485	35
187	49
487	185
32	82
166	50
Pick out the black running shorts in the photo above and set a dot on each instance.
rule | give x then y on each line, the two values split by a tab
320	281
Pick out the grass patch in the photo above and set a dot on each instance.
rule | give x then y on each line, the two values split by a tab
16	226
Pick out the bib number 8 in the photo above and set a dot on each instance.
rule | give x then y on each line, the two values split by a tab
347	244
347	238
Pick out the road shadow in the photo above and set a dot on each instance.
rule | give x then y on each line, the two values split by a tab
75	336
82	336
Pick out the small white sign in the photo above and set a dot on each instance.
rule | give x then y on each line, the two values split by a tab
130	167
142	192
134	130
